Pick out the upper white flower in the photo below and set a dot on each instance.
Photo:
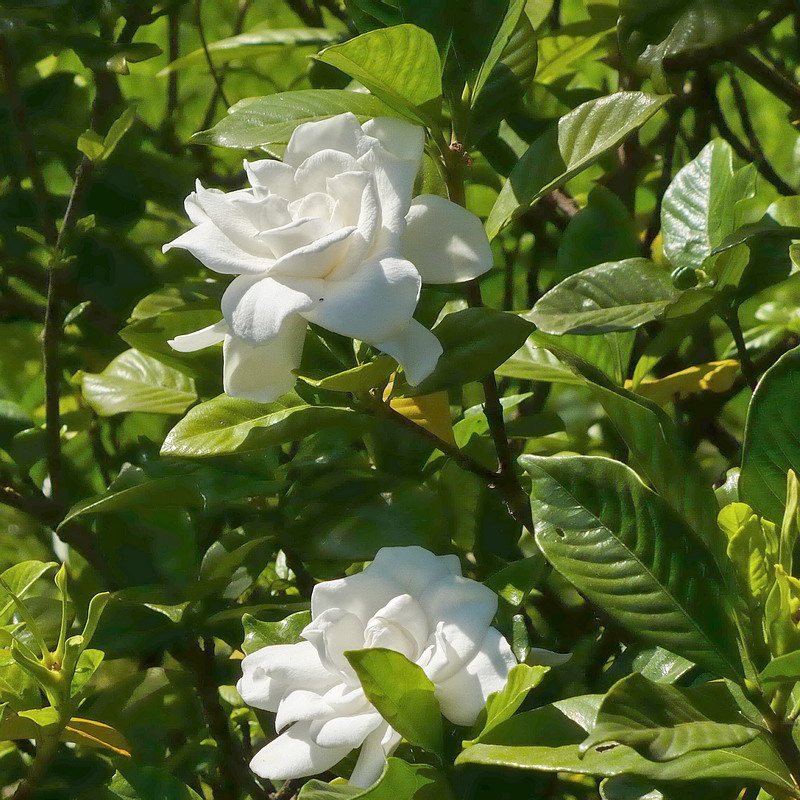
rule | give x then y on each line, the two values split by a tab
332	236
407	600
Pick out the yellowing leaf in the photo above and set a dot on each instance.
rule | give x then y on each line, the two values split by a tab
715	376
429	411
96	734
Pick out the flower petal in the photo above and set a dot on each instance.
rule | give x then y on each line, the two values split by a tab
263	372
341	133
395	571
445	242
400	138
333	633
257	308
300	705
294	755
374	304
274	176
348	731
416	349
381	743
394	178
270	673
462	696
235	215
209	245
462	610
205	337
317	259
313	173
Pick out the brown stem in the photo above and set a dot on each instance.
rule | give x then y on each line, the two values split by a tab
220	92
780	86
234	771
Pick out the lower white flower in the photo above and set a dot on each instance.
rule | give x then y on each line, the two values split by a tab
407	600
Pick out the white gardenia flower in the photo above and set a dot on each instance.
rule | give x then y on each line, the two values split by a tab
407	600
332	236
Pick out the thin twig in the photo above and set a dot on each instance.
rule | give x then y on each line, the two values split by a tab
772	80
209	61
759	156
669	138
234	771
731	319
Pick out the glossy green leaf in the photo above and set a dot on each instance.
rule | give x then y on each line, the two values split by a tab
503	704
659	453
400	65
258	634
402	693
252	44
616	296
262	121
697	214
548	740
632	555
475	342
561	51
579	139
399	781
783	669
358	379
663	722
134	381
772	438
538	359
20	579
229	425
507	72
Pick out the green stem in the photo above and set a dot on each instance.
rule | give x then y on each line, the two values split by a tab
731	319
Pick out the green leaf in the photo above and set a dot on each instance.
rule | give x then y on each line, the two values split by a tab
358	379
402	693
630	554
132	491
537	360
772	438
697	214
506	74
254	43
151	335
783	669
548	740
399	781
616	296
20	579
229	425
134	381
579	139
559	51
651	32
503	704
262	121
659	453
601	232
147	783
766	229
663	722
258	634
624	787
475	342
400	65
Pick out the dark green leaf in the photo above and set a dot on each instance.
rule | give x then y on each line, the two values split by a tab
663	722
616	296
475	342
772	438
579	139
630	554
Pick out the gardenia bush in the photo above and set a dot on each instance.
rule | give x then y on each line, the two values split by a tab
449	449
